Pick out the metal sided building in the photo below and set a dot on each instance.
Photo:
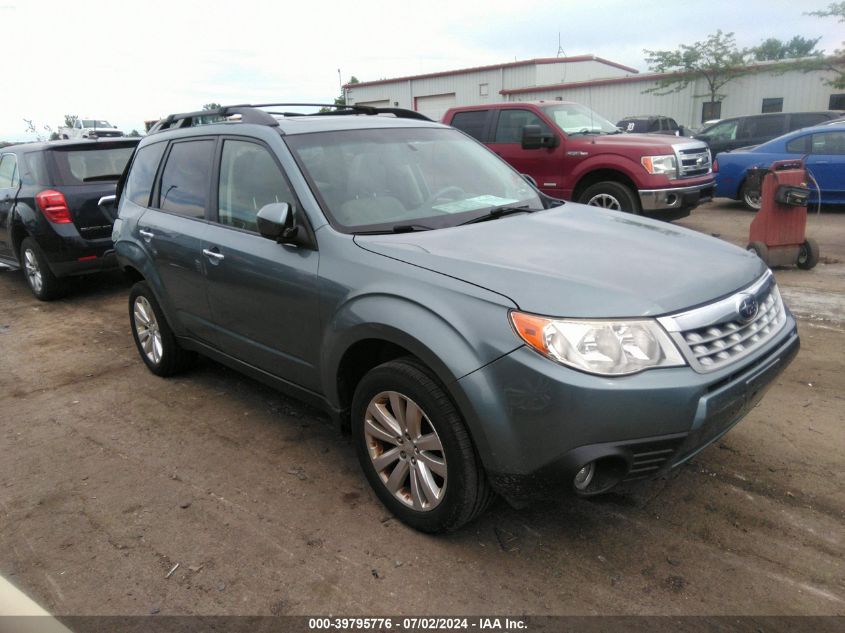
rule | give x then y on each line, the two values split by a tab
611	89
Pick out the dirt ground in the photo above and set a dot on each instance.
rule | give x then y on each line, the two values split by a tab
110	476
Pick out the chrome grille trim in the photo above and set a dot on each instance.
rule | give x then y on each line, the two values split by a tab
693	160
714	336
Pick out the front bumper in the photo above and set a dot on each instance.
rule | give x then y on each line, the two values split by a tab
536	423
676	197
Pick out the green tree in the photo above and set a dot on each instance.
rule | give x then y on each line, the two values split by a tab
834	64
54	136
341	100
211	106
71	119
717	60
774	49
134	134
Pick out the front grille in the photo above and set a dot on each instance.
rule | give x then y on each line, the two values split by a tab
715	336
693	161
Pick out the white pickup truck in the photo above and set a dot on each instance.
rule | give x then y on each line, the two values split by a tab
90	128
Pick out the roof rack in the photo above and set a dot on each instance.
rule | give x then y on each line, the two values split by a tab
252	113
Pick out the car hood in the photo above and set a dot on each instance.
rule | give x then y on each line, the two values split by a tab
580	261
662	142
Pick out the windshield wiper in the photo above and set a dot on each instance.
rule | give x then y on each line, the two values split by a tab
498	212
398	228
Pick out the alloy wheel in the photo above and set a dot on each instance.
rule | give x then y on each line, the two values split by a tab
146	325
32	270
605	201
405	450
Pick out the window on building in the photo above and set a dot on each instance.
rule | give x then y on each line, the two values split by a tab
711	110
483	90
511	122
473	123
186	177
837	102
772	105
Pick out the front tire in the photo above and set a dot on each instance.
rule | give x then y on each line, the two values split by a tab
40	279
610	195
154	339
415	450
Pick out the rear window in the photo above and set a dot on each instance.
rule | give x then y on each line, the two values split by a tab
78	166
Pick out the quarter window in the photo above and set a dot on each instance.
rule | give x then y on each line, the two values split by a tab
139	184
511	122
249	179
185	180
8	171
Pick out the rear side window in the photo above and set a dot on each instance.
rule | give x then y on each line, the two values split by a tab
37	166
8	171
807	119
249	179
78	166
511	122
671	125
186	178
763	127
473	123
139	184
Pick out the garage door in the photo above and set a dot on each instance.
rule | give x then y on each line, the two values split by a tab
375	104
435	106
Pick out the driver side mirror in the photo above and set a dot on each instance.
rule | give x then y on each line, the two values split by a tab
533	137
276	222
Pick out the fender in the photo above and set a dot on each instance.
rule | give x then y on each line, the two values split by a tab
615	162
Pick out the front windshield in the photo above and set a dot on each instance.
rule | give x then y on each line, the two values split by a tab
95	123
574	118
420	178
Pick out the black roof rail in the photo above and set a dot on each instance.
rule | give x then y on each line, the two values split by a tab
252	113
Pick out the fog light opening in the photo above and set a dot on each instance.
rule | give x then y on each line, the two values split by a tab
584	477
671	199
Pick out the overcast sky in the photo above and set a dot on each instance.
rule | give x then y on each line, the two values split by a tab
129	61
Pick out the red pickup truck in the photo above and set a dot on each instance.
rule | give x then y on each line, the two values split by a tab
573	153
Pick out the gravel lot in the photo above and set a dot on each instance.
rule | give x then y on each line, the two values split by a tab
110	476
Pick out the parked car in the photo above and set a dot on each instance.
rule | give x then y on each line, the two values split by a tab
472	333
652	124
90	128
50	221
744	131
572	153
822	148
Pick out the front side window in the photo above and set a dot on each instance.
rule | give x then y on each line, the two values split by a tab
186	177
249	180
725	131
406	178
139	184
511	122
8	171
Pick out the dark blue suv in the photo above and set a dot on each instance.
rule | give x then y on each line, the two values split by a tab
473	334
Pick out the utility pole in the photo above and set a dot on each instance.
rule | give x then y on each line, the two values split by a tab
342	91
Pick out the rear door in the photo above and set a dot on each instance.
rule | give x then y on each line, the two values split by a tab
9	185
173	230
544	165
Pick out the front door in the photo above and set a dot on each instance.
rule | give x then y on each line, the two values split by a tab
263	295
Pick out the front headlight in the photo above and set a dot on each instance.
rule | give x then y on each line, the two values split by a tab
655	165
605	347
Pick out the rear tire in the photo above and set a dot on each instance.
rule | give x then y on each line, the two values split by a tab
611	195
422	466
154	339
759	249
808	254
750	198
40	279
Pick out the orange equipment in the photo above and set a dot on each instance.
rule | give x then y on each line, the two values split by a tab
777	233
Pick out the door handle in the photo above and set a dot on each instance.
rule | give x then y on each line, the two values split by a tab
147	235
213	255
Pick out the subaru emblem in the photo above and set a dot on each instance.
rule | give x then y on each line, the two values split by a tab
747	308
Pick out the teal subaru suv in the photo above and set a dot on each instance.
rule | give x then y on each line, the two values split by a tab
472	334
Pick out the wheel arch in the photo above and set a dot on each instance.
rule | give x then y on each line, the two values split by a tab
603	175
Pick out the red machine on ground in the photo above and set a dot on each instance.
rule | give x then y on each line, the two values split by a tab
778	230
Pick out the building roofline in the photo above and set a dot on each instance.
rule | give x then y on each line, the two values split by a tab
526	62
654	77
